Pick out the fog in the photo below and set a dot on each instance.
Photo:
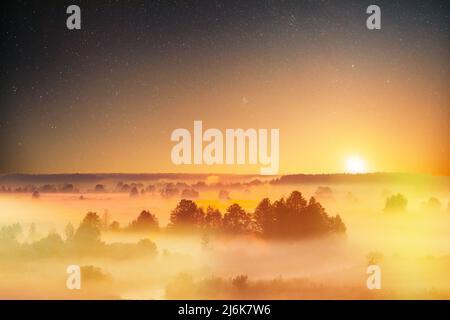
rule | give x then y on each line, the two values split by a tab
411	245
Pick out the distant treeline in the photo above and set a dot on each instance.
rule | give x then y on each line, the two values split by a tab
377	177
93	178
165	189
20	183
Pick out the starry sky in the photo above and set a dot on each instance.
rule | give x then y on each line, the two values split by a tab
107	97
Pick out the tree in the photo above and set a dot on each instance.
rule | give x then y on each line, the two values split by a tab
264	218
395	204
51	245
169	191
236	220
92	273
337	225
240	281
119	186
315	219
282	223
296	202
100	188
89	230
114	226
295	218
213	219
433	204
189	194
186	214
68	187
296	222
134	192
144	222
147	246
9	234
324	193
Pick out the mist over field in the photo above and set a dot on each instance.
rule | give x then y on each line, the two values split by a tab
139	252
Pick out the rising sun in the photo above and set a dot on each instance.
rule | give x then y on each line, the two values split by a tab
354	165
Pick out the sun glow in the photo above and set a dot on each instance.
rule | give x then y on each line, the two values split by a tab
354	165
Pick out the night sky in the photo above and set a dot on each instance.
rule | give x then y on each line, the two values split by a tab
106	98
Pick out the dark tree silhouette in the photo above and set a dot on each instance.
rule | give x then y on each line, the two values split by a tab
100	188
290	218
213	219
89	230
264	216
296	202
186	215
144	222
236	220
169	191
68	187
295	218
337	225
324	193
189	194
240	281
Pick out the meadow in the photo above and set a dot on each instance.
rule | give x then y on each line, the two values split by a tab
404	228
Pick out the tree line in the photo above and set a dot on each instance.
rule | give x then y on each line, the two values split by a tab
293	217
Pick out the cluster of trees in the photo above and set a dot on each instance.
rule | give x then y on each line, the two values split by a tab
46	188
290	218
396	204
82	241
293	218
164	189
325	193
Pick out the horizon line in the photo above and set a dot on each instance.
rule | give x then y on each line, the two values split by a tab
223	174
